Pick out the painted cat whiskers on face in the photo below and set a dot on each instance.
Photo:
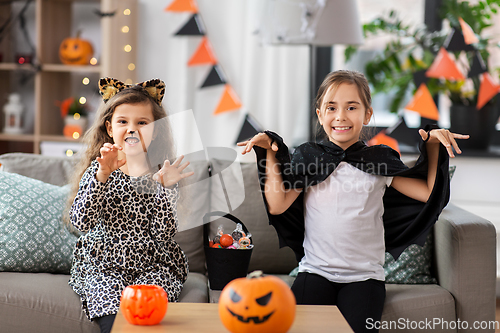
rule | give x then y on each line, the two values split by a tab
132	140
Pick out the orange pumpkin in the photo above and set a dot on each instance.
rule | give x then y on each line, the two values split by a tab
75	51
70	130
144	304
257	303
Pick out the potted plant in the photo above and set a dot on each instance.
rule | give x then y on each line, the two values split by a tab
411	51
74	114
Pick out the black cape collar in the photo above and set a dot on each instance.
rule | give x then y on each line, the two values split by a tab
311	162
406	221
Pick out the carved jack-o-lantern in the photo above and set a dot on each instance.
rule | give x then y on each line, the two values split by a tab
75	51
257	303
144	304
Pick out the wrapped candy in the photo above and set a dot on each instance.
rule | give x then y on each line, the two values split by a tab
244	242
216	239
220	232
226	240
238	232
238	239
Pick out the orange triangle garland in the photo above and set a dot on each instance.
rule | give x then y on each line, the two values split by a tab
487	90
444	67
469	35
228	102
382	139
423	103
182	6
203	54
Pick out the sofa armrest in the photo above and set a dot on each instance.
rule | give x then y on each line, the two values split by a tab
465	246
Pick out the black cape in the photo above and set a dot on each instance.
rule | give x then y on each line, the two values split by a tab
406	221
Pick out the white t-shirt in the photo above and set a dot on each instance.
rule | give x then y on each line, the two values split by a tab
344	232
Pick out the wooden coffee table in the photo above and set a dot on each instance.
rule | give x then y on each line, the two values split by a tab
204	317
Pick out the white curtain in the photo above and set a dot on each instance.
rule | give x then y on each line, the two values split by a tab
272	82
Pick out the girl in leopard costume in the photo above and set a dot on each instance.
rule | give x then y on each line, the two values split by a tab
125	209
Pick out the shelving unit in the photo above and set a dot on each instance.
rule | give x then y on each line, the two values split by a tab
54	81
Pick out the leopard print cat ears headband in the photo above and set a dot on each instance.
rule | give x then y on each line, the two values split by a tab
108	87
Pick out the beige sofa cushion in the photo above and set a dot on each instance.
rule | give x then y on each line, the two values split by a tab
193	203
41	300
48	169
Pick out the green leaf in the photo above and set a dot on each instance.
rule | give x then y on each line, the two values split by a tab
398	99
349	52
413	62
395	60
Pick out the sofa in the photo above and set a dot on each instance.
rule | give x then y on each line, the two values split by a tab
463	255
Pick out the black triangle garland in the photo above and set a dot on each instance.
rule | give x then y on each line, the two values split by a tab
402	133
193	27
419	77
249	128
478	66
455	42
215	77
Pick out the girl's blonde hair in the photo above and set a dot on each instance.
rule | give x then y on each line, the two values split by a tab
162	146
334	80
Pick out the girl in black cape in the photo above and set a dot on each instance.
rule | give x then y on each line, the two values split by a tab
340	204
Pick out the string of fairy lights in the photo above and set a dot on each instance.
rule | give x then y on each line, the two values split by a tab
126	48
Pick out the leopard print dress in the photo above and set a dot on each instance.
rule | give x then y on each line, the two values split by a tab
128	224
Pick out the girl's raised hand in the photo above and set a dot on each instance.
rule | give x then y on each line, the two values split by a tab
171	174
260	140
108	161
445	137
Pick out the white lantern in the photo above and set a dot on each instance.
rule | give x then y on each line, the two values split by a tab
13	111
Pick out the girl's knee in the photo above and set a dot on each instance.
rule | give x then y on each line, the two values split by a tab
311	288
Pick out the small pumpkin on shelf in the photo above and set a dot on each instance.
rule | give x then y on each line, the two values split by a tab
76	51
75	117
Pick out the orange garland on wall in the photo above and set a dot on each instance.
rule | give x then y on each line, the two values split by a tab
423	103
182	6
487	90
228	102
205	55
444	67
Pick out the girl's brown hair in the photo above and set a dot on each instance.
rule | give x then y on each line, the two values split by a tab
334	80
162	145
